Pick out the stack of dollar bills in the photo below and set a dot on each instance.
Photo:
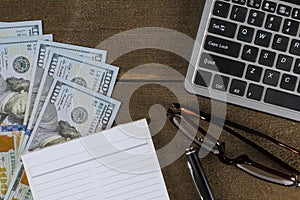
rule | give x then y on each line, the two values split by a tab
50	93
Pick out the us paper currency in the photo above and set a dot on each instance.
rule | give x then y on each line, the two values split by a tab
21	29
43	50
97	76
71	111
17	55
20	189
14	131
7	161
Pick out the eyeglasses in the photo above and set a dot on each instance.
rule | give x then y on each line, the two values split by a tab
178	114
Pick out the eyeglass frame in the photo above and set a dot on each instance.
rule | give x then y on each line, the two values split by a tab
291	180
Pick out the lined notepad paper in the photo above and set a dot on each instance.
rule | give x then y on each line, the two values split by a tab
116	164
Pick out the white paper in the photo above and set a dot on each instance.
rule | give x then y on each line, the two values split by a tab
116	164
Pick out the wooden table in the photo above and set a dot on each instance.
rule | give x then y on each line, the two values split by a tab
91	23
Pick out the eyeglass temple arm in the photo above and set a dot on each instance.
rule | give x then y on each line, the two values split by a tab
244	159
241	127
262	150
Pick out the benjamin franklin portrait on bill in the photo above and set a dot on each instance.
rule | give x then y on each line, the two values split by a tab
52	131
13	98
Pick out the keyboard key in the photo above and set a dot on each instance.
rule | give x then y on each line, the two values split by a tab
241	2
222	46
255	92
263	38
267	58
203	78
295	47
288	82
284	62
238	87
250	53
220	83
245	34
238	13
290	27
223	65
221	27
284	10
282	99
221	9
253	73
273	22
256	18
280	43
271	77
254	3
296	13
297	66
269	6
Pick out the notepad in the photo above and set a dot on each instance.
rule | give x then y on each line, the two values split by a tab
117	164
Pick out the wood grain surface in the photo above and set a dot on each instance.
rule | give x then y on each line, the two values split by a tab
146	89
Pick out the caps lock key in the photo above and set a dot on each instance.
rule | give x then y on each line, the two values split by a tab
222	46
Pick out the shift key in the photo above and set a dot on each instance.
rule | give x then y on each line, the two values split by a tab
223	65
222	46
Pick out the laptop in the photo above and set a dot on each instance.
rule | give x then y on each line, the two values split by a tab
247	53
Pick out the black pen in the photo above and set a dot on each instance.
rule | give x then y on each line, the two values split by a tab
198	175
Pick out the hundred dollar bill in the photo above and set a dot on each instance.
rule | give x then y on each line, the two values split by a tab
7	161
71	111
21	29
19	189
14	131
43	50
17	55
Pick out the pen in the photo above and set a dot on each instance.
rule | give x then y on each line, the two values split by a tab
198	175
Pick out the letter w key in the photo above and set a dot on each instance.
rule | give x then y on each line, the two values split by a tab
263	38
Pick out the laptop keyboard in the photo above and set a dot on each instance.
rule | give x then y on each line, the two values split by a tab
251	51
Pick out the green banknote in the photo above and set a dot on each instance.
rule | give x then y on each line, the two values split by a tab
21	29
17	56
19	189
71	111
7	161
